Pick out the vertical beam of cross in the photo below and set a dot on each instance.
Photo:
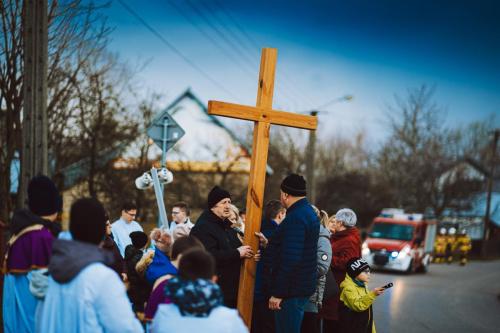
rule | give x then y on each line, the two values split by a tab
256	182
263	116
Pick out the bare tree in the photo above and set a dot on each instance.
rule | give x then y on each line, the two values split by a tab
123	177
286	155
101	119
11	67
419	152
76	32
359	190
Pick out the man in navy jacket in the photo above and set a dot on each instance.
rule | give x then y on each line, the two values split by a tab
293	248
262	316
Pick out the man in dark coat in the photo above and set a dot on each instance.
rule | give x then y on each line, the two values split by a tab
262	317
139	289
215	232
293	248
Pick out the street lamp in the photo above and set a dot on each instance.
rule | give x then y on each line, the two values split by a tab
311	146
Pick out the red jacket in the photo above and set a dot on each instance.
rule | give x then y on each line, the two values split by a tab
346	245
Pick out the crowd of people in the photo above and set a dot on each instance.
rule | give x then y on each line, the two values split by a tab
100	276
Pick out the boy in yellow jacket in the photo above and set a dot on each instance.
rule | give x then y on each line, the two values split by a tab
355	312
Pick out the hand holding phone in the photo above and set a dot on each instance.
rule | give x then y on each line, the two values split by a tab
387	286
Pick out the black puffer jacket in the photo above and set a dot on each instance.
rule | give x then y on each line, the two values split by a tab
139	288
222	242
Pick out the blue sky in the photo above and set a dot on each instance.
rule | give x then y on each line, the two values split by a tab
326	49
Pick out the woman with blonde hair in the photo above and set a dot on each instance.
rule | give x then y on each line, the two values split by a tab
310	323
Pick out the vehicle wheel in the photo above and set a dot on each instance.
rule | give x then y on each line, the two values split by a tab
410	268
423	267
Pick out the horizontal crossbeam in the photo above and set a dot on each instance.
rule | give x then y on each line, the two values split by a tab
253	113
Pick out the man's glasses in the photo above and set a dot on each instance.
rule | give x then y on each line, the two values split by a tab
130	214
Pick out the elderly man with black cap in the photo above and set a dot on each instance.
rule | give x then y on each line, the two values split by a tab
28	253
214	230
291	273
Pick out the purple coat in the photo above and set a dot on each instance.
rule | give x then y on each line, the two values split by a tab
33	249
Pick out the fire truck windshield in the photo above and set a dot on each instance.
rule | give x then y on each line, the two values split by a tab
392	231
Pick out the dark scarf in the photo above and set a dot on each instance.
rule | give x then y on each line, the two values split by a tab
194	298
24	218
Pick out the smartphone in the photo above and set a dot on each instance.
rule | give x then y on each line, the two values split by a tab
387	286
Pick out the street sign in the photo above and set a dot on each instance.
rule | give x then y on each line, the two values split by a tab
165	129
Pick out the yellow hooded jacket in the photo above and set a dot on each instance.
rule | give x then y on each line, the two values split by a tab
358	299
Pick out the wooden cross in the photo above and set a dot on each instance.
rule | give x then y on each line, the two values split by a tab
263	116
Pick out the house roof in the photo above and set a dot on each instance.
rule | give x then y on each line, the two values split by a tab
189	95
480	167
478	208
207	140
73	173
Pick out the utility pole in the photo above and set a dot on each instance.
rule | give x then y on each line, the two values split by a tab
491	179
34	150
311	148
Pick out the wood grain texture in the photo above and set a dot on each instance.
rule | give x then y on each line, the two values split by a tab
275	117
255	197
266	78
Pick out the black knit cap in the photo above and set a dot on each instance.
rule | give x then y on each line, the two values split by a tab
87	220
217	194
139	239
355	266
43	197
295	185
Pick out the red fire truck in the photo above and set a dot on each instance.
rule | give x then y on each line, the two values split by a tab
400	241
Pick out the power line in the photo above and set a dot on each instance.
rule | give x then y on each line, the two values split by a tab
289	95
207	35
288	82
238	26
218	45
175	50
219	32
226	27
242	54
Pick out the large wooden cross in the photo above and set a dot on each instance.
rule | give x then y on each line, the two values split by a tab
263	116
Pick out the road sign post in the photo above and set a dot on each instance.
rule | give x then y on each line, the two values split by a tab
165	132
162	218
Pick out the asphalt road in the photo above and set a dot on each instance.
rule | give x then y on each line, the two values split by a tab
448	298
